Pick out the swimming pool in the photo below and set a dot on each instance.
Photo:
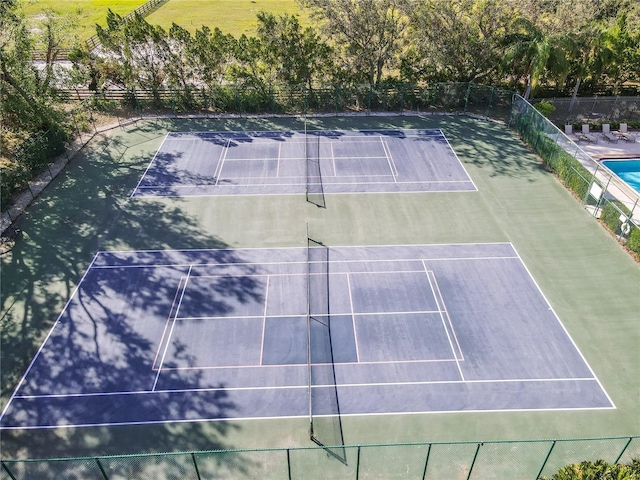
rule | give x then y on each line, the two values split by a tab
628	169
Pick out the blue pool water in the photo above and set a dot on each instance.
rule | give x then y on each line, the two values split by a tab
627	169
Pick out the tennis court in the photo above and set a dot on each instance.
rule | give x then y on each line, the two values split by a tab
286	162
188	331
193	335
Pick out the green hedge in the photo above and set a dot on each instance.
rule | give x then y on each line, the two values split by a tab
599	470
633	242
611	215
28	161
611	218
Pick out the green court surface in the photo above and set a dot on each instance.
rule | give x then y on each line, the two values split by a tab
591	283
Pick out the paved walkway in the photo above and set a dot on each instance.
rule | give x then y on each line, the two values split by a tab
605	149
615	187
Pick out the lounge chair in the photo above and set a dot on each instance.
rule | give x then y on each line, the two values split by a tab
568	131
624	133
606	133
588	136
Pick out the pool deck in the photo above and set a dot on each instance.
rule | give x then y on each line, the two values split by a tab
605	149
616	188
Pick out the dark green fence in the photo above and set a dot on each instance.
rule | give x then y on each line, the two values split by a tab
529	459
301	100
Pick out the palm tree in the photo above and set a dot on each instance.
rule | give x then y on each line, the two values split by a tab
531	53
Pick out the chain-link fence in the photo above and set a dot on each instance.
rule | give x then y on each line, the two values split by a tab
302	100
505	460
603	193
33	165
594	110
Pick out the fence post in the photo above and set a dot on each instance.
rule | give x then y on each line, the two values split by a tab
104	474
305	99
358	464
473	462
488	110
466	97
554	150
30	190
289	463
546	459
273	100
195	465
426	463
6	469
623	450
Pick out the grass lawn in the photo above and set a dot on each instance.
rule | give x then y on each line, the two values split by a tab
86	12
231	16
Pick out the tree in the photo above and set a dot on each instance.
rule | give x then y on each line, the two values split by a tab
299	55
530	53
27	94
254	65
138	53
211	53
620	53
368	33
457	40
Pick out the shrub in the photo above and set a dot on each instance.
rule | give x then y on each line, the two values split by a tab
545	107
599	470
611	215
633	242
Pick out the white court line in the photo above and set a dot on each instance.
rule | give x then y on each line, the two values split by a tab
217	173
148	166
455	355
245	264
389	158
446	312
166	324
300	365
333	160
166	347
301	315
350	184
55	324
353	319
264	319
563	328
225	149
279	156
459	161
297	159
301	386
370	247
286	417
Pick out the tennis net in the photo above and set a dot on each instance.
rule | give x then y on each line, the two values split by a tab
314	189
324	407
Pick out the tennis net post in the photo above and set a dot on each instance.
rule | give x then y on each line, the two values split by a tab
314	185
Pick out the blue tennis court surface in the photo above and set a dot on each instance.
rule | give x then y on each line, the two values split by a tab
173	336
261	163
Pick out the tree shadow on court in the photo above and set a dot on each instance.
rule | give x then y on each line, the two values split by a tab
85	210
482	143
492	147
